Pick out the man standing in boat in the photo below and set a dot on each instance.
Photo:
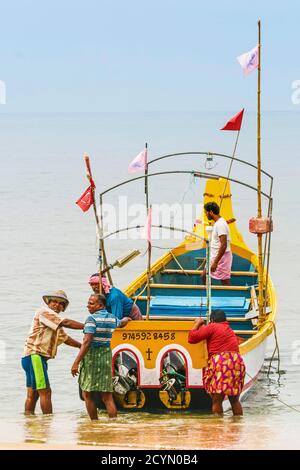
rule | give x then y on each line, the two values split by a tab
117	302
45	336
221	255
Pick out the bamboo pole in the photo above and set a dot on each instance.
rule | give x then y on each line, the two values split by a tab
209	230
146	179
149	243
149	217
230	166
259	203
102	255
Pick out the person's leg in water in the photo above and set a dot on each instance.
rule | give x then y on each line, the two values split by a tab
217	403
91	408
31	401
236	406
108	400
45	400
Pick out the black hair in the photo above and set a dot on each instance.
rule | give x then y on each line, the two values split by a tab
101	299
217	316
212	206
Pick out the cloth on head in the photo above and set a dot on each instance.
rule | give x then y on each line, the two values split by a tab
94	279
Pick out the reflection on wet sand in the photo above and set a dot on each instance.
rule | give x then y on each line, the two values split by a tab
37	428
163	432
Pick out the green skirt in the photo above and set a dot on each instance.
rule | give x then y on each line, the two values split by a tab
95	370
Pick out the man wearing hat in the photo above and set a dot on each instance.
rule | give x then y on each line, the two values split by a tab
117	302
45	336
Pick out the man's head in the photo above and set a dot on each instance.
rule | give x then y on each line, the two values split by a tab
212	210
217	316
94	283
96	302
57	301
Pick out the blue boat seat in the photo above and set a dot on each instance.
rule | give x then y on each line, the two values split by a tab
185	306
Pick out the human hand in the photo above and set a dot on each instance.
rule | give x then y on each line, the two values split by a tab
213	267
75	369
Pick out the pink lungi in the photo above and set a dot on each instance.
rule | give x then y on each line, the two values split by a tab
223	270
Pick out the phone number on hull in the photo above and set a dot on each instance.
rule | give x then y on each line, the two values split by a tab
148	336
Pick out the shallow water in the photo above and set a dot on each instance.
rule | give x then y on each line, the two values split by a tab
47	243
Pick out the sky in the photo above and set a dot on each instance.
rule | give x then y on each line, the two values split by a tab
137	55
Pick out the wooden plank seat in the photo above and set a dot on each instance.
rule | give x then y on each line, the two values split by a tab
199	272
198	287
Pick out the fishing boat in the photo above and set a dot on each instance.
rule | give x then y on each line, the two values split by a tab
154	366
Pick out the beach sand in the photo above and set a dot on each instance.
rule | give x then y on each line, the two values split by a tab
32	446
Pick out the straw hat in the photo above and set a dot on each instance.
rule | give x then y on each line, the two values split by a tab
57	295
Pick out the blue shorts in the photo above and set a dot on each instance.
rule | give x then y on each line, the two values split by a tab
36	370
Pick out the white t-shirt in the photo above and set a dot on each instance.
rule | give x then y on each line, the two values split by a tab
220	228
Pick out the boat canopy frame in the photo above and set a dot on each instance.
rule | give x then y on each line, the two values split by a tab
196	174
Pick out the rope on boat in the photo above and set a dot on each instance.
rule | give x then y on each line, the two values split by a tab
278	367
274	352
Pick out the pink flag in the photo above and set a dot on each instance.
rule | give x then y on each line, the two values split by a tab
249	60
139	163
147	227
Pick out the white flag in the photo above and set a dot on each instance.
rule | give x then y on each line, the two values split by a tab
249	60
139	163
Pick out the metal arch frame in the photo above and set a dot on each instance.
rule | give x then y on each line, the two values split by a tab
197	174
208	154
173	229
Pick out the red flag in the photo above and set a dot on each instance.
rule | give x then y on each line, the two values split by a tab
235	123
86	199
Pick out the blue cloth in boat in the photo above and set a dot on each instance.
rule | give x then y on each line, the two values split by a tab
118	303
192	305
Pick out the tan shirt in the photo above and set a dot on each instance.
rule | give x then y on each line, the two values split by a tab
45	335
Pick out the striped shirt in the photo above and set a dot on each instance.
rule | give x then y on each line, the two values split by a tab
45	335
101	324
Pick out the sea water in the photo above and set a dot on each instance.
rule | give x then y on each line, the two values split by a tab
48	243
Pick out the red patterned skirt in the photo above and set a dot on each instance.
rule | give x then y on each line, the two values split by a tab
225	373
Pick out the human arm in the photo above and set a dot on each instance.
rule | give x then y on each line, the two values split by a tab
83	350
73	324
72	342
199	331
123	322
222	249
53	321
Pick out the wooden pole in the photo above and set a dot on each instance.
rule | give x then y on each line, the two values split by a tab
149	266
149	243
259	204
102	255
230	166
209	230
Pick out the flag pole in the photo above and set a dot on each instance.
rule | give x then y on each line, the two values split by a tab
261	316
98	224
149	243
149	267
229	171
146	179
